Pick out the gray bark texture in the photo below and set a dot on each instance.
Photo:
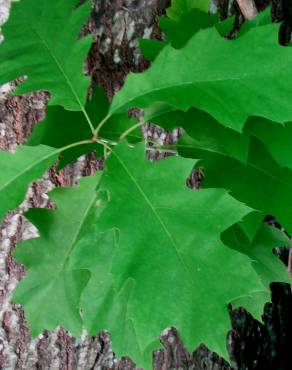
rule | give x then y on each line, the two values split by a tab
116	26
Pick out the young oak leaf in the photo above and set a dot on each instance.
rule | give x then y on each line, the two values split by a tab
42	45
167	268
259	181
260	250
18	170
205	132
221	146
266	264
251	224
277	138
209	138
51	290
61	128
73	126
231	80
253	170
178	33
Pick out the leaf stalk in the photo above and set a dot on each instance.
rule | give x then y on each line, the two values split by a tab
101	124
130	129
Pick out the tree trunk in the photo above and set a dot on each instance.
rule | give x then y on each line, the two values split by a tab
116	26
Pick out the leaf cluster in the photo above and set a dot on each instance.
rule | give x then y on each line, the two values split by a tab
132	249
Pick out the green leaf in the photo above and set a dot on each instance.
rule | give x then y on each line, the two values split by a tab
134	250
208	133
277	138
260	182
108	309
62	127
204	133
180	7
263	18
51	290
254	303
178	32
18	170
151	48
169	247
251	224
164	115
268	266
231	80
41	43
259	246
241	163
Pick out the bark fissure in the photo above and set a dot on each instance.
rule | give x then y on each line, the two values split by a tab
116	26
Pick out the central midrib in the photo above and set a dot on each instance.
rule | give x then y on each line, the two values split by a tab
157	216
63	73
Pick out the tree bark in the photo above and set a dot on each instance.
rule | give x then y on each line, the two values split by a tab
116	26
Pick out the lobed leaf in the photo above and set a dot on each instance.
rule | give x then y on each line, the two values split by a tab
251	224
260	250
145	252
42	45
167	267
231	80
178	32
62	127
51	290
260	182
277	138
18	170
268	266
118	269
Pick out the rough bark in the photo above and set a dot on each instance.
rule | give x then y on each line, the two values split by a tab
116	26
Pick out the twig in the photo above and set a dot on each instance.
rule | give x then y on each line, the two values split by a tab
248	8
290	262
